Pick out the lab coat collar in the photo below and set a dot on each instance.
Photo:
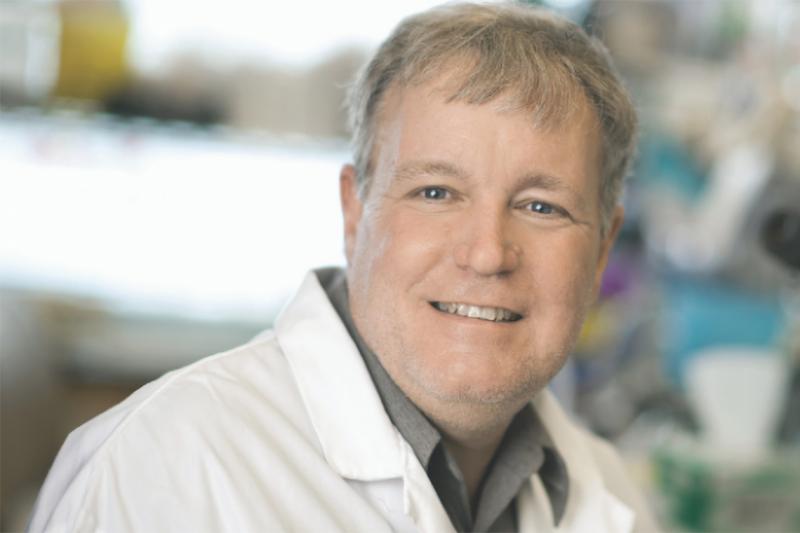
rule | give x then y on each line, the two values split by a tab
590	505
356	435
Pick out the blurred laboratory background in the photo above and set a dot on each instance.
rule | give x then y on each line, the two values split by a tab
168	172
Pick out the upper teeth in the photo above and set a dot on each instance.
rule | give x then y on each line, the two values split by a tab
496	314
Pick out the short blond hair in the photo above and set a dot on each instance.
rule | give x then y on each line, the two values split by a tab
539	62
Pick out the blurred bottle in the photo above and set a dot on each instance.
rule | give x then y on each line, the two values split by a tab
92	59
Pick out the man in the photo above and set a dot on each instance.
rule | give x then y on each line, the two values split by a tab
409	394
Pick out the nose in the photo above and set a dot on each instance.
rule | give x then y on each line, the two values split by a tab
485	245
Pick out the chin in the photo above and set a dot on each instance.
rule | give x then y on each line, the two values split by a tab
456	383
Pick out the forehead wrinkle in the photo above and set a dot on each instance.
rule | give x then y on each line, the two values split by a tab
547	182
416	169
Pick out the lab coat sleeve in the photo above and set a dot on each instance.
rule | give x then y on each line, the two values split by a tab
221	446
160	461
61	499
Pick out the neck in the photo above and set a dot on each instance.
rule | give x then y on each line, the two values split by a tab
473	460
473	445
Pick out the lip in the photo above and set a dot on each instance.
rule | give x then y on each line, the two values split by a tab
516	316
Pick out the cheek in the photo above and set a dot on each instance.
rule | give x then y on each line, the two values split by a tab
403	244
567	274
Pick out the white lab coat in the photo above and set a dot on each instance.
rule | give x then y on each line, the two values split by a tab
287	433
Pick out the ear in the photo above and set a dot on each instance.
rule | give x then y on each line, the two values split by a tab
351	207
605	246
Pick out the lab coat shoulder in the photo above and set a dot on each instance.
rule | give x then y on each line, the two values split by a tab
221	445
618	482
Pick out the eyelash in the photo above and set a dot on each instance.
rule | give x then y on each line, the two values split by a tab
547	208
423	193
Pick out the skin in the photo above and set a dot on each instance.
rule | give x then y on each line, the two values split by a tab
474	204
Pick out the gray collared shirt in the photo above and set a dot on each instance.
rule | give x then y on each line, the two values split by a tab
525	449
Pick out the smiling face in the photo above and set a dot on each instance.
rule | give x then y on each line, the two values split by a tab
476	251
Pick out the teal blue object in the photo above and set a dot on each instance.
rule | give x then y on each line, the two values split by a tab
700	314
665	161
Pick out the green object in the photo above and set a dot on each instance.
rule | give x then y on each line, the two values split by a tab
688	489
706	491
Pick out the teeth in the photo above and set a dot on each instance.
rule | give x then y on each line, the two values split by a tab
493	314
487	313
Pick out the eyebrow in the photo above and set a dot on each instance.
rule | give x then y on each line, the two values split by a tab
416	169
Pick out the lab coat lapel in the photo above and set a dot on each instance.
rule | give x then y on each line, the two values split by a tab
356	435
591	507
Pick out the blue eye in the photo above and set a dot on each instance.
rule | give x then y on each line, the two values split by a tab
541	208
434	193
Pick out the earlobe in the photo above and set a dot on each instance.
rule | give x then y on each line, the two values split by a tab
351	207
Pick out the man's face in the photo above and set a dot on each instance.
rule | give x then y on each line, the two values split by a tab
473	211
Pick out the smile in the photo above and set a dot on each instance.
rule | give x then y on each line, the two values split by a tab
492	314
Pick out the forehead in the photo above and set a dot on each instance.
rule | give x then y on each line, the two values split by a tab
548	93
548	106
423	120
